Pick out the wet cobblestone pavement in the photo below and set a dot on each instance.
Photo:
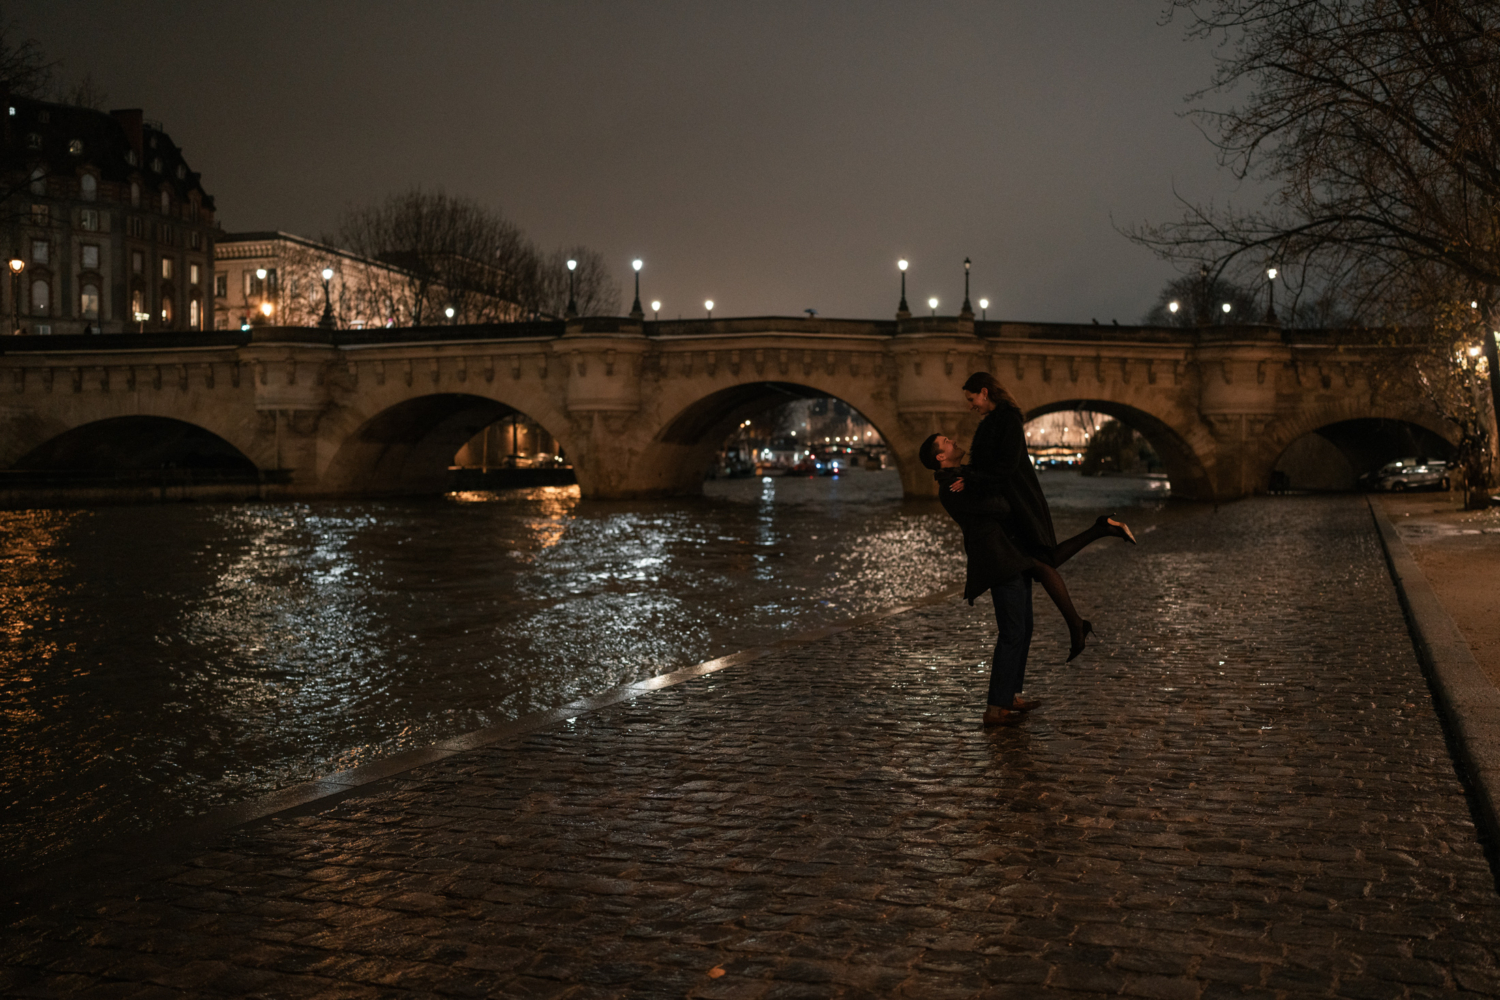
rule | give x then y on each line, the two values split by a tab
1243	791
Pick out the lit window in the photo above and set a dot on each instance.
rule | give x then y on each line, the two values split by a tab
90	257
193	314
40	251
135	194
166	267
166	309
76	147
137	263
192	274
40	215
88	302
41	297
137	304
88	187
88	219
130	157
221	285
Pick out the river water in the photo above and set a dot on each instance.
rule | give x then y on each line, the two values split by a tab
159	661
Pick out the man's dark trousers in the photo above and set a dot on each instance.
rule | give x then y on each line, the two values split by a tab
1012	597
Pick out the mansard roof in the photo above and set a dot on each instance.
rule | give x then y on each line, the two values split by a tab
121	145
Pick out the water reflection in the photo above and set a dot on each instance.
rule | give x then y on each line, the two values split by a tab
162	660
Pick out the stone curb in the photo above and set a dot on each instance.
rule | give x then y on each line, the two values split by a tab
1468	700
39	886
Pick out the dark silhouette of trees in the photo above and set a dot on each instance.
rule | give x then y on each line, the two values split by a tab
448	251
1200	302
1377	125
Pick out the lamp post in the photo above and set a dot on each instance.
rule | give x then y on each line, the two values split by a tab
636	312
932	304
449	313
1271	297
901	311
709	305
984	309
655	310
17	265
967	312
572	311
326	322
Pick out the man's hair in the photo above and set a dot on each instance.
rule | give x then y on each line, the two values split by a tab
998	395
928	453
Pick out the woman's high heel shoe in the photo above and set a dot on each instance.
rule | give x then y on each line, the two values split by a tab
1107	524
1082	632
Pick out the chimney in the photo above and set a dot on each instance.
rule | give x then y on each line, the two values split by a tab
133	120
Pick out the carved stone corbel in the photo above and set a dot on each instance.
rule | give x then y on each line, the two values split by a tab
463	368
807	362
760	362
433	370
380	373
353	369
103	379
734	362
609	362
406	365
949	362
832	363
783	361
182	378
1260	373
77	374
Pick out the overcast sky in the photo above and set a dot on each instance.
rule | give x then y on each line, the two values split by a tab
770	156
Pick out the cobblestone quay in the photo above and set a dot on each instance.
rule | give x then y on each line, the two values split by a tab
1242	792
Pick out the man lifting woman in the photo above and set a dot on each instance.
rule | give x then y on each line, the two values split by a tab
1008	537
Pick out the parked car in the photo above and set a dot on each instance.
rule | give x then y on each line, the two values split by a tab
1411	474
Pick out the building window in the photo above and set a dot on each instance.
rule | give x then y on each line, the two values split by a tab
39	180
138	306
40	251
252	283
166	309
193	314
221	285
130	157
156	165
90	257
181	172
42	329
136	226
166	267
75	146
88	220
34	140
41	297
88	187
137	263
88	302
195	240
166	203
40	215
135	195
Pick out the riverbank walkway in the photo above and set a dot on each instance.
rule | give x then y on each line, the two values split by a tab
1242	791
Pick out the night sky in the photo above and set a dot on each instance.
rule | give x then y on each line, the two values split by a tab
770	156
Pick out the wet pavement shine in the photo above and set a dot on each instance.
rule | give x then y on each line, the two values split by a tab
1242	790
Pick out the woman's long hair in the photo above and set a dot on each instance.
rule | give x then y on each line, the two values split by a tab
998	395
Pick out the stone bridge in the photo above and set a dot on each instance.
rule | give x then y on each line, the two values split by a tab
642	407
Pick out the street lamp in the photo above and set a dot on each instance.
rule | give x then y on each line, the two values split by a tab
1173	306
635	309
326	322
1271	296
572	290
1226	307
984	309
932	304
449	313
967	312
709	305
17	265
901	311
655	309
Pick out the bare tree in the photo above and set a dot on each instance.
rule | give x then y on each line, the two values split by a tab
1377	124
596	291
25	69
1200	301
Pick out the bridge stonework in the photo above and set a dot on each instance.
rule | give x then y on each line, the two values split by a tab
641	408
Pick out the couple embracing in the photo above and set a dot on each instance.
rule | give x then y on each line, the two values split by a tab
993	493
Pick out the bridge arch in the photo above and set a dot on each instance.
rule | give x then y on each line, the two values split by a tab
134	443
677	459
406	447
1181	460
1330	446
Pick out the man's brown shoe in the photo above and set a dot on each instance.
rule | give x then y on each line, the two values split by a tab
1003	717
1019	704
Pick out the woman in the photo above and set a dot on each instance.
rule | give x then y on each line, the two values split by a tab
1000	465
997	564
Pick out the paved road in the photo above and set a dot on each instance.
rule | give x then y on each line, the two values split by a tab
1242	792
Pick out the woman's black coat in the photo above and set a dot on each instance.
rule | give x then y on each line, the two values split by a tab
1000	466
985	520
